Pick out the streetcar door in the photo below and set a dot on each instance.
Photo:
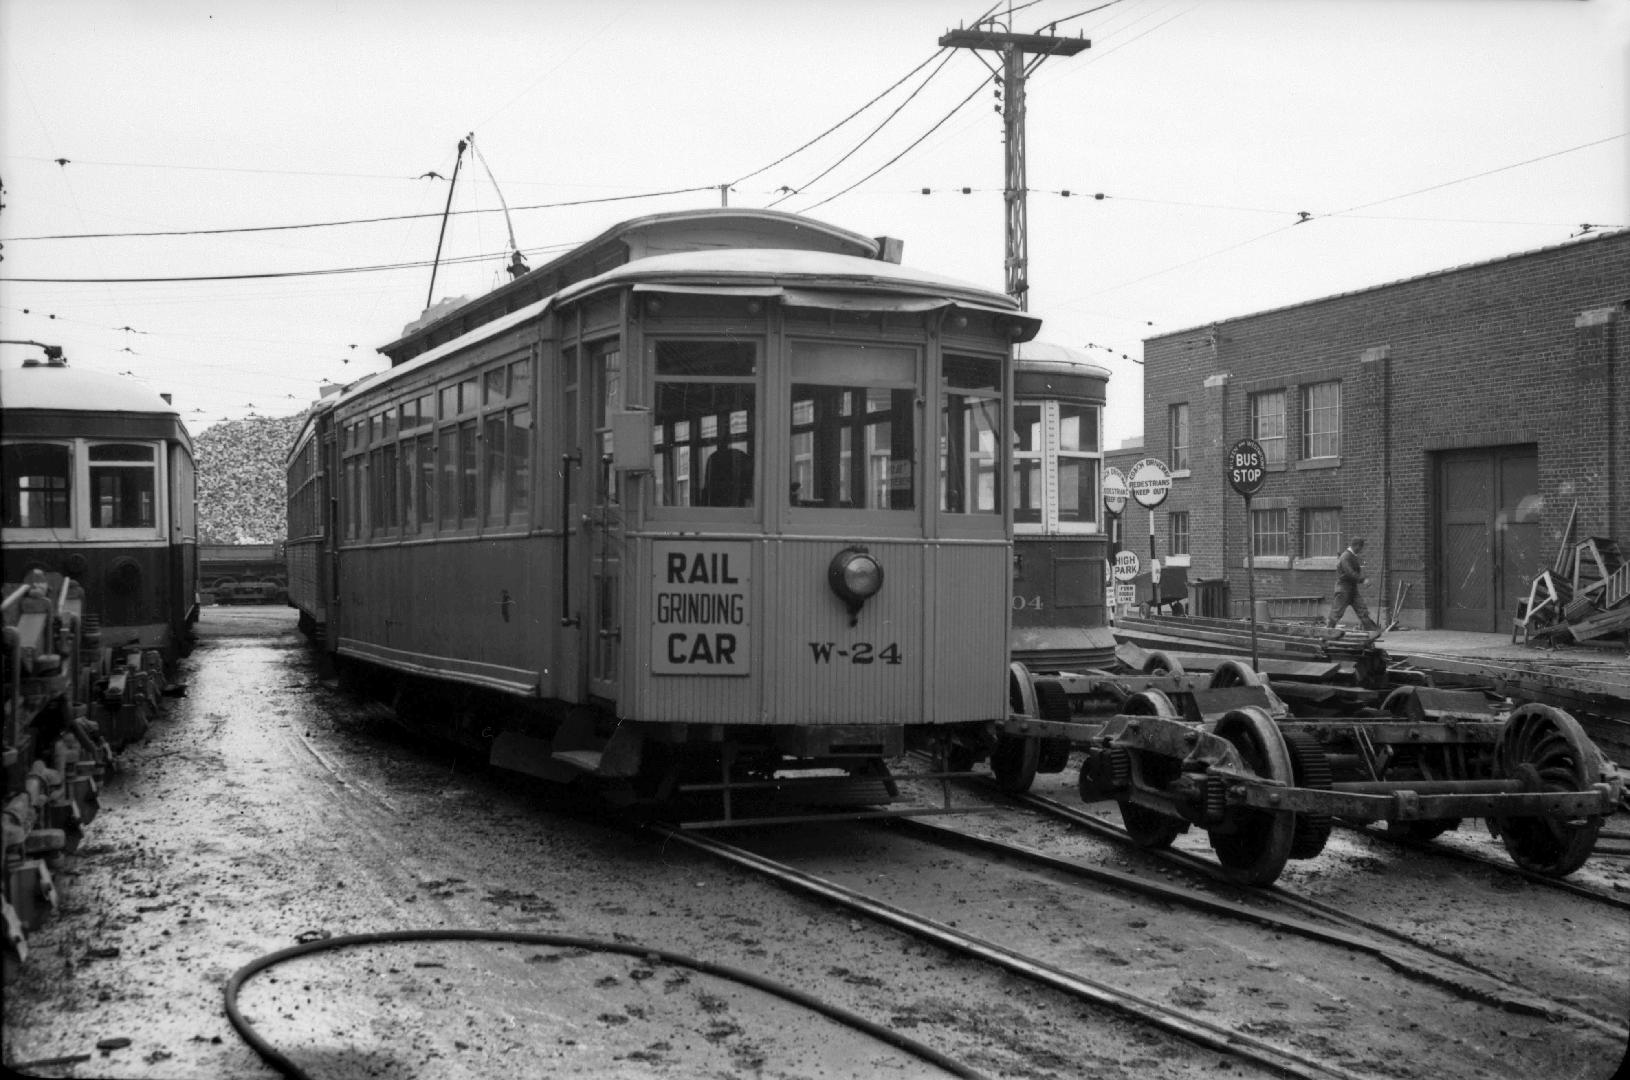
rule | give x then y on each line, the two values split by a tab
598	545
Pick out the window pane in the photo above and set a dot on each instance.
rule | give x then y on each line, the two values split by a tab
1268	533
123	496
520	463
121	452
447	470
1077	489
853	447
1321	420
1268	424
693	421
1078	427
496	441
970	426
1027	462
425	452
1321	532
705	358
1179	521
37	486
1179	434
469	476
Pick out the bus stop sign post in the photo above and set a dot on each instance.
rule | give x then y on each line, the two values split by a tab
1247	471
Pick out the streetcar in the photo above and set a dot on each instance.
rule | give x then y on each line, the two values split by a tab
719	499
1060	546
100	486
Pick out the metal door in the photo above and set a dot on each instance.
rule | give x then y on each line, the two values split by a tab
1488	534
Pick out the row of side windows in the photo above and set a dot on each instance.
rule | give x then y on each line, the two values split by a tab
99	486
447	460
1269	425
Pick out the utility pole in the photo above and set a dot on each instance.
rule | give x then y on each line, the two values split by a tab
1014	48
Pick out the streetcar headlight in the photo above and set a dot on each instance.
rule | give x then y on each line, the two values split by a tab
855	577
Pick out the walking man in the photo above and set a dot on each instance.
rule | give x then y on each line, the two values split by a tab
1349	576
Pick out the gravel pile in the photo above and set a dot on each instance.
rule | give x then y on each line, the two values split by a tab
241	483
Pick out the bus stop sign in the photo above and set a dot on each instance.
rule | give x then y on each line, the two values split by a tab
1247	467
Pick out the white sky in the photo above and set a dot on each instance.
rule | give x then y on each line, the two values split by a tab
1208	124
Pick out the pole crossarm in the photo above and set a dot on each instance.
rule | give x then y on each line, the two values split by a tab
1045	44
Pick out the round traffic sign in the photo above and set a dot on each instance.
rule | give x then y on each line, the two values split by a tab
1149	481
1115	493
1247	467
1126	565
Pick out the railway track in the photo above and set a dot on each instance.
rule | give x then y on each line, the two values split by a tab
1405	954
1308	919
1202	1032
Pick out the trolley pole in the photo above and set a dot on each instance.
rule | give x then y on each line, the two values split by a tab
1014	50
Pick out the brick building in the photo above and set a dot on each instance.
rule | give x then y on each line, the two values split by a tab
1455	420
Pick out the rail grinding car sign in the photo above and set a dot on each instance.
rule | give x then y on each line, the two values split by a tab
1149	481
701	608
1247	467
1115	493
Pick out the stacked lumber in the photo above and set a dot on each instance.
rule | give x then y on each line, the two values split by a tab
242	482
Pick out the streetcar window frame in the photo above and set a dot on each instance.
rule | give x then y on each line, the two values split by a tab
725	374
56	502
113	464
1043	464
835	398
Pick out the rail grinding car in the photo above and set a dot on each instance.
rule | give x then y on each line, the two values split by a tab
718	495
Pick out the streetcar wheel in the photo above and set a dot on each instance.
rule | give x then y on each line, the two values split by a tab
1014	762
1149	829
1159	663
1054	704
1253	845
1231	673
1548	750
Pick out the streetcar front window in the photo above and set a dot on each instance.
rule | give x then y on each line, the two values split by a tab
703	436
1028	449
124	486
854	427
1078	460
37	486
970	427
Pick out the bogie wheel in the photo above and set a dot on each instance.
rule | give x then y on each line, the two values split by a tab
1232	673
1150	829
1312	770
1014	762
1054	704
1159	663
1253	845
1015	758
1548	750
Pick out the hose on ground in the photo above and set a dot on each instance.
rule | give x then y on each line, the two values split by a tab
280	1061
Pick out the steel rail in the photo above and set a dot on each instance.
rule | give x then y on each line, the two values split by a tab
1452	852
1173	1021
1433	965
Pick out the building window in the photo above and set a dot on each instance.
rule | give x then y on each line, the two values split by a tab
1270	533
1179	522
1268	424
1321	420
1321	532
1179	423
37	486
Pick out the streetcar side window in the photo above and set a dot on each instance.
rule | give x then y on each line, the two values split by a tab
970	434
704	423
124	486
1079	458
38	486
1028	462
854	439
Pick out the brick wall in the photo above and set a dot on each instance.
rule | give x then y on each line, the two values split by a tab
1529	350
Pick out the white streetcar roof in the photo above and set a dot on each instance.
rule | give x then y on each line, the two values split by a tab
62	388
1049	355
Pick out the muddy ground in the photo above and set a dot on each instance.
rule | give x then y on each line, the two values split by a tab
267	810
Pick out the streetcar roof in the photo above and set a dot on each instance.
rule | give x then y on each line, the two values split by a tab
1049	355
799	278
62	388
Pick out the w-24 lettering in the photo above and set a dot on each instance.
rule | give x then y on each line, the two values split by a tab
859	652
